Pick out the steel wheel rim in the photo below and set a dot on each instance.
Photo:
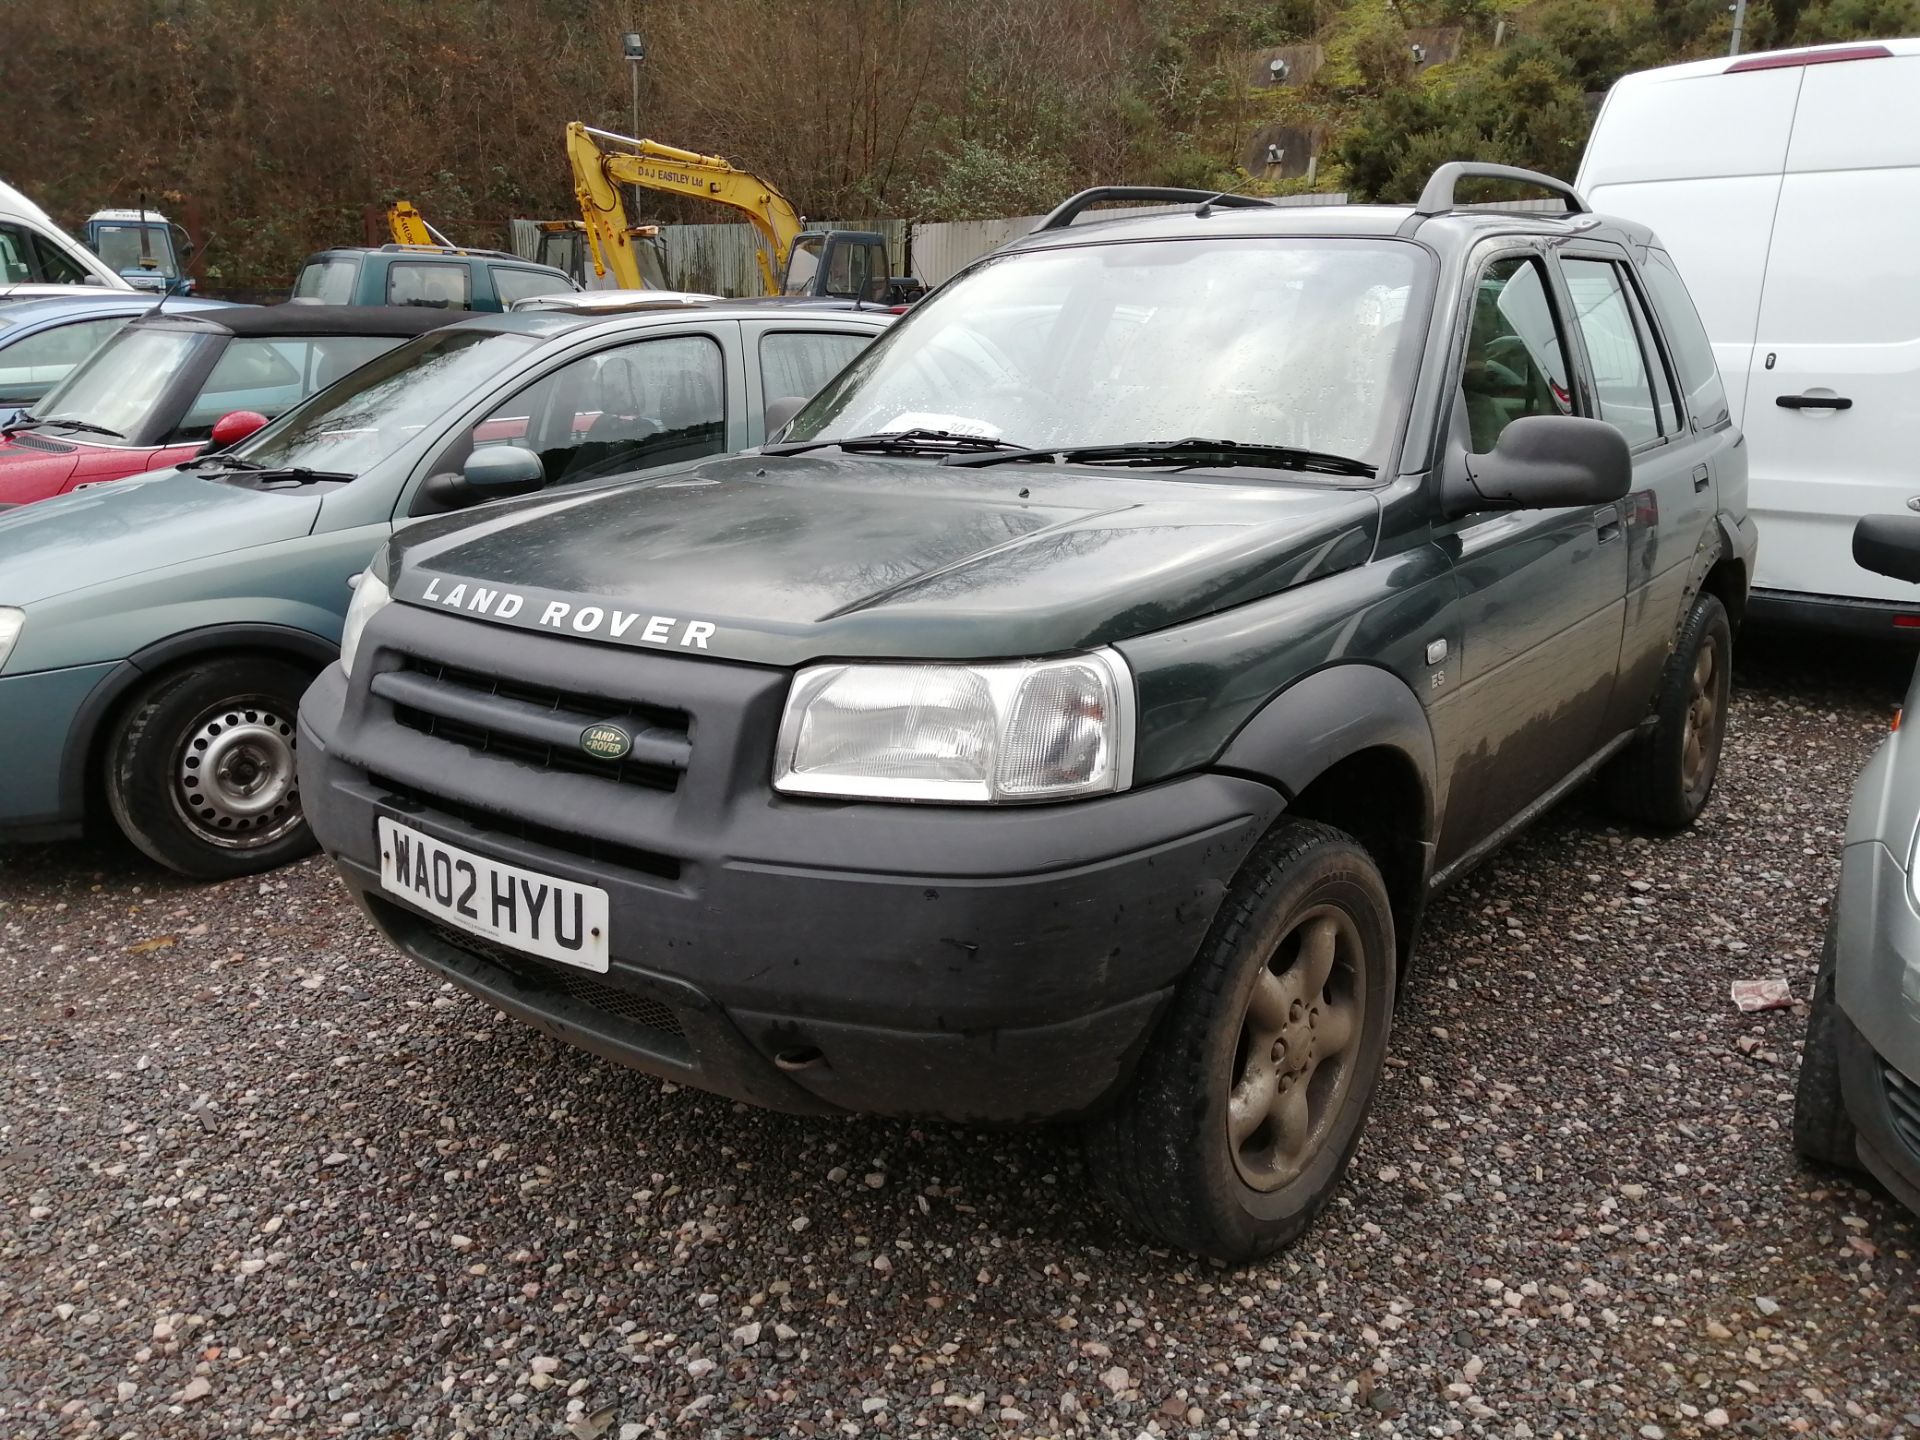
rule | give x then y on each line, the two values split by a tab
234	780
1698	740
1299	1038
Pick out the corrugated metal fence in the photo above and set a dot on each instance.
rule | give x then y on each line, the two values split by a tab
719	259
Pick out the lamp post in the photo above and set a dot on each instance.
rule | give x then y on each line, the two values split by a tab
633	45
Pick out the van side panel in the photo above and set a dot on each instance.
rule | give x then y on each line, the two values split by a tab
1840	315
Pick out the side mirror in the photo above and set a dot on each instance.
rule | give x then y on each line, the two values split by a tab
780	411
1888	545
493	473
235	426
1543	462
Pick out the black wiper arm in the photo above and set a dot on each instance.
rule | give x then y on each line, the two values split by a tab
1192	451
22	421
219	457
918	440
85	426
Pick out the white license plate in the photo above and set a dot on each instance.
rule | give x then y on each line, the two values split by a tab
540	914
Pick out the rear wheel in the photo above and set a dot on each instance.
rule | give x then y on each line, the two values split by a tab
1250	1099
1665	777
1822	1129
200	773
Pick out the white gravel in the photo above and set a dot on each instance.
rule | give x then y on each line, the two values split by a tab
258	1176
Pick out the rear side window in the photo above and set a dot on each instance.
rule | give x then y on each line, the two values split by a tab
1516	362
330	281
435	284
270	376
512	285
1692	351
795	363
62	345
1605	316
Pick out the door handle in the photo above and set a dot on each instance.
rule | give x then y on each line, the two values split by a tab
1702	477
1606	524
1813	402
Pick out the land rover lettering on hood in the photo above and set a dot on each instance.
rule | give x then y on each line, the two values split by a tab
1068	713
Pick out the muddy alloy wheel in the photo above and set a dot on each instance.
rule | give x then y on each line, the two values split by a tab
1294	1064
1249	1099
1700	745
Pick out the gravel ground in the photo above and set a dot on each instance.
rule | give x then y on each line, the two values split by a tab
258	1176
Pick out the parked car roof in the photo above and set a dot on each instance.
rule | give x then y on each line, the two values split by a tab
43	309
267	321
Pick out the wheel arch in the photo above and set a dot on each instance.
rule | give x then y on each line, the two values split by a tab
80	765
1351	746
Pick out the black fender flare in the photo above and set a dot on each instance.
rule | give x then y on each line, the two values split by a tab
1329	715
137	668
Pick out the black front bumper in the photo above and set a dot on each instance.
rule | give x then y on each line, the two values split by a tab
983	965
1884	1106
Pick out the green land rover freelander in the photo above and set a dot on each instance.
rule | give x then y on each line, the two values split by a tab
1070	714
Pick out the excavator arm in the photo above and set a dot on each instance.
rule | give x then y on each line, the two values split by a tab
602	162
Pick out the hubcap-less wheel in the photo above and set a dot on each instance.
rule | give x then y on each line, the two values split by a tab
1699	744
234	782
1298	1041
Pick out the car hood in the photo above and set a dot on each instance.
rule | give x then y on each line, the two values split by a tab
108	532
782	560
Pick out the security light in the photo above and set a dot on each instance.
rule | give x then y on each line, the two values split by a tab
1278	70
634	46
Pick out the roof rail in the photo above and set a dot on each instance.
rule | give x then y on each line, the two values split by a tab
1437	198
457	250
1063	214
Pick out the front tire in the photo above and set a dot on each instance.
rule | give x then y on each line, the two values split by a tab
1250	1099
200	770
1665	777
1822	1129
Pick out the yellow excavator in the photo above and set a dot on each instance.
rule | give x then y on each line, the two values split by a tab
794	261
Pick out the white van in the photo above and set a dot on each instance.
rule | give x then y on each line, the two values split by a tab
1787	187
36	252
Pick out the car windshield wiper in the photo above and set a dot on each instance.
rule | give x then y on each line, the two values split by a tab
1192	451
21	421
231	462
83	425
917	441
300	474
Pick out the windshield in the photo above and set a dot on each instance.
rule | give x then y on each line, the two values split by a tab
353	425
118	386
1260	341
119	246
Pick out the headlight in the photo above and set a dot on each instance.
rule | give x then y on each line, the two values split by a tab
11	622
959	734
370	597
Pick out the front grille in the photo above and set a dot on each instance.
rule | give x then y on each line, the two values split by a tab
567	842
1903	1098
537	726
648	1013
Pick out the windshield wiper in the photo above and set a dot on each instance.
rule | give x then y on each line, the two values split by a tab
1191	451
218	457
299	474
21	421
917	441
86	426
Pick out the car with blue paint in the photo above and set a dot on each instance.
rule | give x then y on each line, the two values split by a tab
156	634
42	340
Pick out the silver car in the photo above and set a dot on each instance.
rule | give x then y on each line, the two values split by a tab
1858	1102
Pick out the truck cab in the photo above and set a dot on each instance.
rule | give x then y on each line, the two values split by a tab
846	265
145	249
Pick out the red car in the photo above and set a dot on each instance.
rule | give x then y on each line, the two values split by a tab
171	383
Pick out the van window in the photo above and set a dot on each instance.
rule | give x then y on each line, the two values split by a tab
1613	348
1692	351
54	266
1516	361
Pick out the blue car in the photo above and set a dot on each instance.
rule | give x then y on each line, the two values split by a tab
41	340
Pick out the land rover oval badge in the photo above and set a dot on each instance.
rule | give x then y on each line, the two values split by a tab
605	742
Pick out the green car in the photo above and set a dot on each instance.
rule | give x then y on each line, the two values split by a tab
156	634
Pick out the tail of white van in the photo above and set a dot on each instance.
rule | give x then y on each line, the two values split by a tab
1787	188
36	252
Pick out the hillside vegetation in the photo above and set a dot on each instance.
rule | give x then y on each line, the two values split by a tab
284	119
